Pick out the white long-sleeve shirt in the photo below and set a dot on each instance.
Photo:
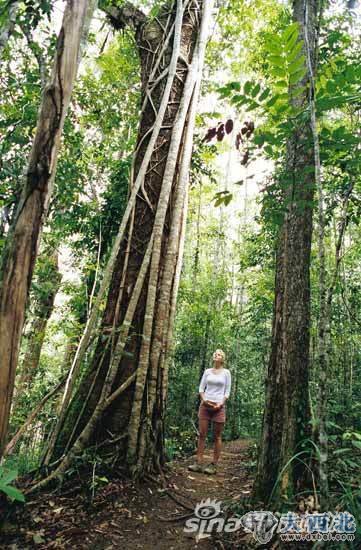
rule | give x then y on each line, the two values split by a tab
215	386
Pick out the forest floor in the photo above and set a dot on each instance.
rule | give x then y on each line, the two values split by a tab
126	515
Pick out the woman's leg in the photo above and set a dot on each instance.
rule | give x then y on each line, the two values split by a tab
218	427
203	430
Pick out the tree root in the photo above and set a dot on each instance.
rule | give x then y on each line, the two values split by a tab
176	518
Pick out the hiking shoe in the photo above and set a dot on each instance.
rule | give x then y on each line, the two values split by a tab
211	469
196	467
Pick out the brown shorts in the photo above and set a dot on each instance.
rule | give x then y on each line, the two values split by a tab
205	413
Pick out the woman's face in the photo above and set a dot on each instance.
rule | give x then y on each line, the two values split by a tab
218	357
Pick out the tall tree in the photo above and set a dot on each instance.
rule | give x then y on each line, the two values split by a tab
286	415
21	248
122	392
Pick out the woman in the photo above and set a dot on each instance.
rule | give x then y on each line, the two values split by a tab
214	391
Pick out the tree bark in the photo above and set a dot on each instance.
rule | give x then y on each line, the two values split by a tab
286	415
21	248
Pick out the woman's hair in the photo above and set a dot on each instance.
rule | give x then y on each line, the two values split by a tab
221	352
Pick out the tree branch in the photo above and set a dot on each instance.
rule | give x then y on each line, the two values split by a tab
125	16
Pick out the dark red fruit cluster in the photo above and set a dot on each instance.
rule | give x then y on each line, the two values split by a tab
242	137
220	131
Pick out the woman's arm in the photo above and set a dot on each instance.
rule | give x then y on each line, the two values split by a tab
202	385
228	384
227	388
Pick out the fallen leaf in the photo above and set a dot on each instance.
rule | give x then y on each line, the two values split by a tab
37	519
201	536
38	539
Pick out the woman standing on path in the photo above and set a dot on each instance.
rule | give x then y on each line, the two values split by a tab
214	391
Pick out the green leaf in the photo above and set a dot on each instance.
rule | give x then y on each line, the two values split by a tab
291	41
298	91
224	91
259	139
277	60
239	99
284	96
228	199
268	149
296	77
341	451
331	87
235	86
103	478
352	463
356	444
272	101
12	492
297	64
264	94
253	105
278	72
329	423
256	90
274	48
350	73
7	476
288	32
281	84
291	56
281	108
247	87
38	539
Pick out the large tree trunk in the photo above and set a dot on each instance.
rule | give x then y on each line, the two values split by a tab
286	415
131	348
22	242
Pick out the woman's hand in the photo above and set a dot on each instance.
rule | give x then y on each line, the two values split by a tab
212	405
209	404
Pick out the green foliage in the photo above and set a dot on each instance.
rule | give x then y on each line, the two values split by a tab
222	197
286	68
6	478
179	443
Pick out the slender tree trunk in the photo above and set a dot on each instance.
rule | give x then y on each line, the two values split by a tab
133	342
9	25
198	236
325	291
21	248
30	419
43	310
286	416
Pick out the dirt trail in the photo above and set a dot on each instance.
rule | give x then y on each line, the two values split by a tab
130	516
